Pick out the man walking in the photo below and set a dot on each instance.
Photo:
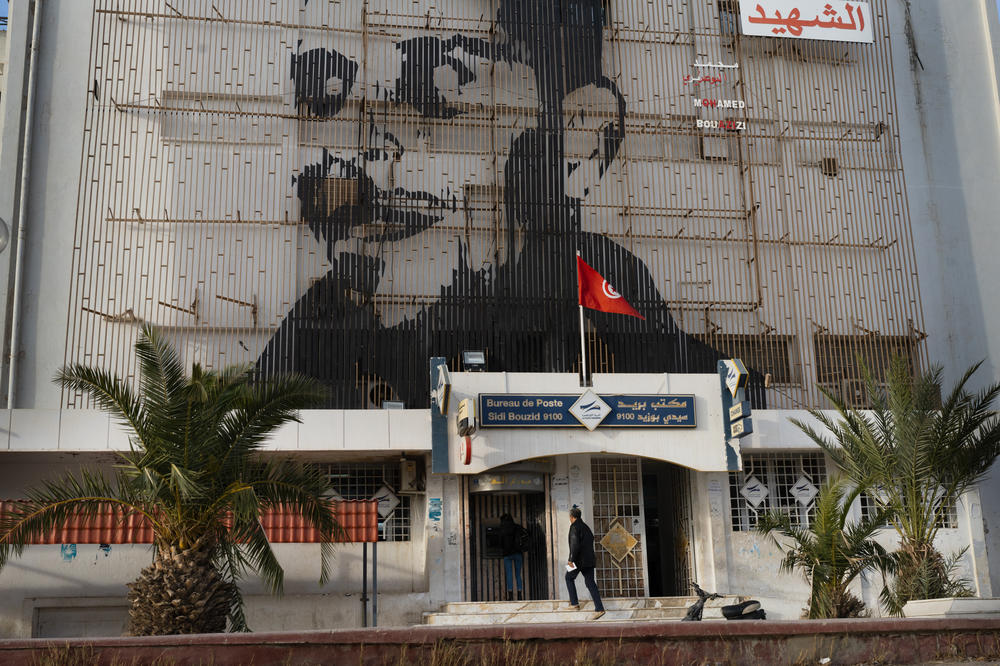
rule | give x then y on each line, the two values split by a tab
581	560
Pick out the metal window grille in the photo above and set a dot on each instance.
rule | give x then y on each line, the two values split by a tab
617	488
362	481
839	370
778	473
947	513
684	530
729	17
767	354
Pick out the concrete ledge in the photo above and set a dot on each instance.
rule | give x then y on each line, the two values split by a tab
953	607
842	641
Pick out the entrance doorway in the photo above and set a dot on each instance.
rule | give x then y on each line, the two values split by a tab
666	496
486	559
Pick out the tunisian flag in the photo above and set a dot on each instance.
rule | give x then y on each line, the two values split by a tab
597	294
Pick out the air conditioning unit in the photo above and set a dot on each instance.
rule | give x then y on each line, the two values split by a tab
410	478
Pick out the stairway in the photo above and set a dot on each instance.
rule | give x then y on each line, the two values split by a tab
534	612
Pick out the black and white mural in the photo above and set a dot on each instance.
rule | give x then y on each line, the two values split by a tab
443	175
346	188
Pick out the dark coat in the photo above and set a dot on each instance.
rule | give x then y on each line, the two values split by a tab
581	545
508	538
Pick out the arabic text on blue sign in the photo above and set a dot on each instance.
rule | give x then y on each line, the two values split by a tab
505	410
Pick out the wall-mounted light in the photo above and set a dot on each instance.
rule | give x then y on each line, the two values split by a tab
474	360
393	404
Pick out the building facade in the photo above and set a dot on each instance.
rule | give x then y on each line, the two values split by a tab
350	189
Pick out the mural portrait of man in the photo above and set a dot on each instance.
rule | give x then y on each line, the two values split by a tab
445	185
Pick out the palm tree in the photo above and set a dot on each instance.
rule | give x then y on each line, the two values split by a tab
831	553
194	473
918	456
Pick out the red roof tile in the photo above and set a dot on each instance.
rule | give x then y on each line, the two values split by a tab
359	518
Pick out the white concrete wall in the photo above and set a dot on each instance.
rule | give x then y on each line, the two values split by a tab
63	579
405	568
753	563
55	167
3	81
951	151
320	430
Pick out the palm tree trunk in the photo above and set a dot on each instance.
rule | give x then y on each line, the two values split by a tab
181	592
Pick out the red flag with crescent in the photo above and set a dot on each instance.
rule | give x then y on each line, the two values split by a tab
597	293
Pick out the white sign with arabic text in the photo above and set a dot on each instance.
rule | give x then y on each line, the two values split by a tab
830	20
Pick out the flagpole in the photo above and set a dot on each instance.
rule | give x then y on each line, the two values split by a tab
583	347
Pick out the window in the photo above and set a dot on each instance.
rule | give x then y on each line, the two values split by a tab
838	369
767	354
729	17
715	148
363	481
770	480
947	515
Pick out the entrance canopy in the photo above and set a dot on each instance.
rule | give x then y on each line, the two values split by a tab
676	418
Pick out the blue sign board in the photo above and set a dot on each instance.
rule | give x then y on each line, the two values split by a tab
506	410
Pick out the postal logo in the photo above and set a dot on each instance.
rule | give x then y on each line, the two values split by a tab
590	410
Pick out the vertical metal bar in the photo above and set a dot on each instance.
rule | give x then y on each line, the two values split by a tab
467	541
364	584
375	583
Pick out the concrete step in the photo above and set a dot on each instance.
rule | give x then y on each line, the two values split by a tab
612	603
556	611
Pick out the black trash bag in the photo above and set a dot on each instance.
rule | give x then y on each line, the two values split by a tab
736	611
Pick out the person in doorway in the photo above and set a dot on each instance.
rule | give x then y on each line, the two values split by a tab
513	557
581	560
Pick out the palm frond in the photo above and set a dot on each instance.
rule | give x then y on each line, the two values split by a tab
194	469
57	502
252	541
109	393
917	453
161	376
261	411
233	566
831	551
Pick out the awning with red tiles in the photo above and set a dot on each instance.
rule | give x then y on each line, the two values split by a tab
359	518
